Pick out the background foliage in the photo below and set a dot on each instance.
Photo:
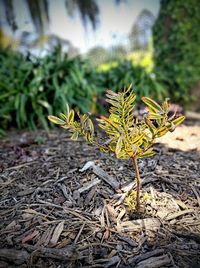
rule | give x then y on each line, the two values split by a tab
176	43
32	88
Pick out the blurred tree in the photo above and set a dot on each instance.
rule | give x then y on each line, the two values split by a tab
177	51
39	11
98	55
141	30
118	52
88	9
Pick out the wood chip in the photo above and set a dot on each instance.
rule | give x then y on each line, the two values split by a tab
196	194
56	234
134	260
148	224
89	185
128	240
29	237
112	261
26	192
155	262
111	212
178	214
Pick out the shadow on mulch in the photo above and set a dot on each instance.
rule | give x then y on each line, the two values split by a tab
54	215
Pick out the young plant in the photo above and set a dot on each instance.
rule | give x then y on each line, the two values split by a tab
126	136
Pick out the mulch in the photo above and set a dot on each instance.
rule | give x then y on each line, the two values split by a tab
63	204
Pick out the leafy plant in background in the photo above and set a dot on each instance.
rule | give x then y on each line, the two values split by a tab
31	88
126	73
127	137
176	47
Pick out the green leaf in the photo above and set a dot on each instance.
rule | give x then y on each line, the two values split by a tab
112	93
71	116
67	108
114	103
118	146
165	105
154	116
138	139
171	127
90	124
44	103
74	136
178	120
63	116
84	118
148	153
88	137
153	106
162	131
56	120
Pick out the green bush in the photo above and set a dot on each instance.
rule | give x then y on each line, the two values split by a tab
32	88
144	83
177	50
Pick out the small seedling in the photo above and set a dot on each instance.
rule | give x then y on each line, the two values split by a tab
126	136
131	198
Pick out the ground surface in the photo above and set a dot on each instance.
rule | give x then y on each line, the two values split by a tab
53	214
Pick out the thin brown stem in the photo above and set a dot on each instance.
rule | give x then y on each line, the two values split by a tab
137	175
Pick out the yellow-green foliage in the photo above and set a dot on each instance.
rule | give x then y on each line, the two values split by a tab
142	58
131	199
127	136
137	58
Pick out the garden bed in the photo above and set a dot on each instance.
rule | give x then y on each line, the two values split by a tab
63	203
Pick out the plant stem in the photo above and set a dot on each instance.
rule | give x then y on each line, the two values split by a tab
137	175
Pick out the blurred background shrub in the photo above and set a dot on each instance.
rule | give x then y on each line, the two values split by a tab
177	48
32	88
40	72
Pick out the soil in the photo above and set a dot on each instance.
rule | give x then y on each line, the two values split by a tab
63	203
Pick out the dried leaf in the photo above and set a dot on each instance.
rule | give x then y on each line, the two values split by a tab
57	232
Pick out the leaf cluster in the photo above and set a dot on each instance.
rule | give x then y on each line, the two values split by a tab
126	135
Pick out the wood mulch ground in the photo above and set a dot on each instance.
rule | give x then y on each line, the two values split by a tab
63	203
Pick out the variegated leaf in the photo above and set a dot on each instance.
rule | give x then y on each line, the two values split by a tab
152	105
56	120
119	145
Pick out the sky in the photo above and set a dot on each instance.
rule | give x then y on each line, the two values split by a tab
115	22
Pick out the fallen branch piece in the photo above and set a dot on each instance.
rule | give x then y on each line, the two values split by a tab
134	260
12	255
148	224
89	185
64	254
179	213
102	175
128	240
112	261
155	262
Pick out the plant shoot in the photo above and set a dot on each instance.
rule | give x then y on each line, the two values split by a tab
126	136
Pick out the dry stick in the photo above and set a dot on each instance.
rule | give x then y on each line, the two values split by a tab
79	233
135	164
